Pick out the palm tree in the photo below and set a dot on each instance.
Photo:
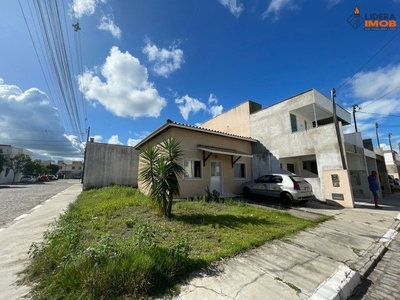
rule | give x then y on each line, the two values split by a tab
161	171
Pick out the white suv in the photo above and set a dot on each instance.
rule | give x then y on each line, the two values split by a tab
288	187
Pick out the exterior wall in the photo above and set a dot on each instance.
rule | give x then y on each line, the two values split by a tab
392	163
344	189
356	164
382	171
110	164
234	121
326	103
189	141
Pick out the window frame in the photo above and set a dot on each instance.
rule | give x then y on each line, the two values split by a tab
244	170
193	160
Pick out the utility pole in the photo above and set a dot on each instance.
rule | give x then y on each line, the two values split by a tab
84	155
335	120
377	136
390	143
355	107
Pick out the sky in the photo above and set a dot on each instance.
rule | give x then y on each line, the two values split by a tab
131	65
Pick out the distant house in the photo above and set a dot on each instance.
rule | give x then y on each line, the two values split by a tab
212	159
70	170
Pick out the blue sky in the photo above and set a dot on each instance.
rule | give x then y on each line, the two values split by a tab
135	64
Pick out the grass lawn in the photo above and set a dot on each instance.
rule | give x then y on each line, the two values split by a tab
112	244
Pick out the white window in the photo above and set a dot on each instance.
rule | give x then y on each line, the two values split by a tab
239	170
192	168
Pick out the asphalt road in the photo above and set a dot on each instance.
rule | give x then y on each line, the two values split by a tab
19	199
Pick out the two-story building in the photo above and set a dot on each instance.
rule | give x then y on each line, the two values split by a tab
70	170
299	135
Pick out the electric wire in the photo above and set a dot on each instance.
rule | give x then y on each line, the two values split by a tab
383	47
59	55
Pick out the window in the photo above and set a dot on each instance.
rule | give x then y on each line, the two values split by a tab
290	167
73	168
275	179
239	170
192	168
293	122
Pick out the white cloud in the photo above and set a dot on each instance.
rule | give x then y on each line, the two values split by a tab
212	99
378	94
126	91
215	110
97	138
133	142
234	6
189	105
84	7
165	61
276	6
114	140
332	3
375	84
28	120
107	24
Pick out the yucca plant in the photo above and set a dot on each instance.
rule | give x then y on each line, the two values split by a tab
160	172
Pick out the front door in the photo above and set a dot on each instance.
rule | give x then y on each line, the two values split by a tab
215	180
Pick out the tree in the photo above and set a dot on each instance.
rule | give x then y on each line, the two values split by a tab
161	171
33	168
52	169
17	163
3	161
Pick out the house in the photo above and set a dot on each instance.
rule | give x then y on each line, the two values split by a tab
10	151
299	135
211	159
70	170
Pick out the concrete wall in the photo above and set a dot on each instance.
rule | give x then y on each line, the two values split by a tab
327	104
234	121
110	164
190	140
332	193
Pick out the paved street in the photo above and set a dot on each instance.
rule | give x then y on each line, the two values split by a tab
384	280
19	199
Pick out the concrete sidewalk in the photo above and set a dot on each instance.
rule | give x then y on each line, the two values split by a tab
325	262
16	239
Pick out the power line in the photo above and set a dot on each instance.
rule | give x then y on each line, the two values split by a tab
58	51
386	115
383	47
382	96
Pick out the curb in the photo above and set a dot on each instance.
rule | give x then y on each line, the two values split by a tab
341	284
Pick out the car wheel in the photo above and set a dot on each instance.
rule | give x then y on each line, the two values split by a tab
247	193
287	198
